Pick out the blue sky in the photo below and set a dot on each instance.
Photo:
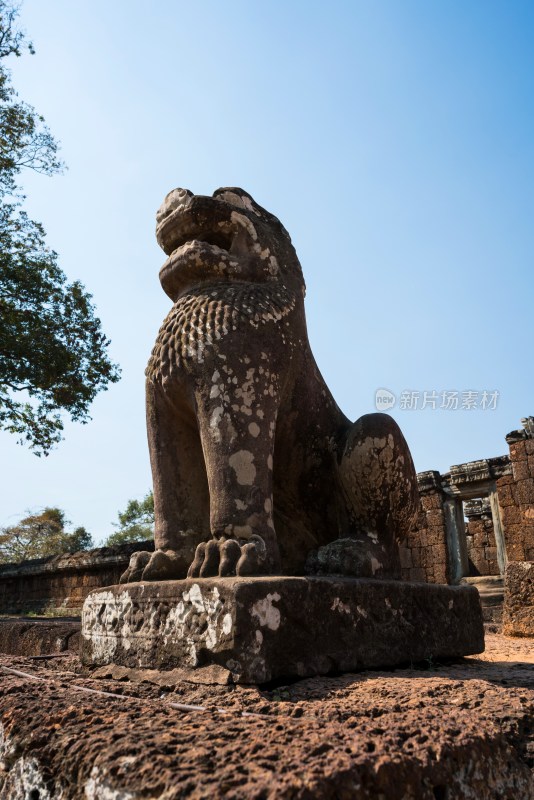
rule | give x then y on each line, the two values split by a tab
395	142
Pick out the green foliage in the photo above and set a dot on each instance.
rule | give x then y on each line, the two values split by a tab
136	522
53	353
41	535
79	539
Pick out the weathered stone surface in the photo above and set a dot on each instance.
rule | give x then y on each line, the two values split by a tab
518	613
265	628
448	732
254	465
31	637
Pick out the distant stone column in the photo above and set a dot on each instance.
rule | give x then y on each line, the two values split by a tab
456	539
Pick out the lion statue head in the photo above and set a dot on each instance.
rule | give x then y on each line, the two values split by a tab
227	237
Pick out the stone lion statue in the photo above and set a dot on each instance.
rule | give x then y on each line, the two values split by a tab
256	470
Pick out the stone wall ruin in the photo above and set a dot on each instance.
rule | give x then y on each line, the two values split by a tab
59	584
475	518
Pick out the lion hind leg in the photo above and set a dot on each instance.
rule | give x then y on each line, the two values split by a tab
380	486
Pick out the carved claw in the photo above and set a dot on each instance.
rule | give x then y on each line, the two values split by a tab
230	553
253	557
226	557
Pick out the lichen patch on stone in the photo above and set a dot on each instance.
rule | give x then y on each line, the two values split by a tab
267	613
243	466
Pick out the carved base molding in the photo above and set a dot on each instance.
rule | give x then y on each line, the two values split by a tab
259	629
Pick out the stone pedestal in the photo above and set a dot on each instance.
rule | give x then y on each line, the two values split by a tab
264	628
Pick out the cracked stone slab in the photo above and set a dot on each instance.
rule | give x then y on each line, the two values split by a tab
260	629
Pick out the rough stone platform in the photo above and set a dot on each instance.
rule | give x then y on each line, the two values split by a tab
258	629
435	732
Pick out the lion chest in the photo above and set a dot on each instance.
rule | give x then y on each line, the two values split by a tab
201	325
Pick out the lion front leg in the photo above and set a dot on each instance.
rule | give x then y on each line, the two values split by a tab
237	426
181	500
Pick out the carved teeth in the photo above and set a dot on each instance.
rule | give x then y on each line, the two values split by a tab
175	200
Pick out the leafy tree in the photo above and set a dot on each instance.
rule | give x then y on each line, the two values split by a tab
53	353
41	535
79	539
136	522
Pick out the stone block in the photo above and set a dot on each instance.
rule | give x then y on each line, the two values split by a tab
490	553
505	480
439	554
524	492
515	551
414	539
518	613
418	574
514	533
529	447
435	536
435	518
425	558
520	470
260	629
441	573
405	556
431	502
477	559
511	515
518	451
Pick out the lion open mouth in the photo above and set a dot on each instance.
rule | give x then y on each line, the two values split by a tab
219	239
228	240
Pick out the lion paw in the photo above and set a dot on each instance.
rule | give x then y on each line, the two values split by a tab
134	570
226	557
162	565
